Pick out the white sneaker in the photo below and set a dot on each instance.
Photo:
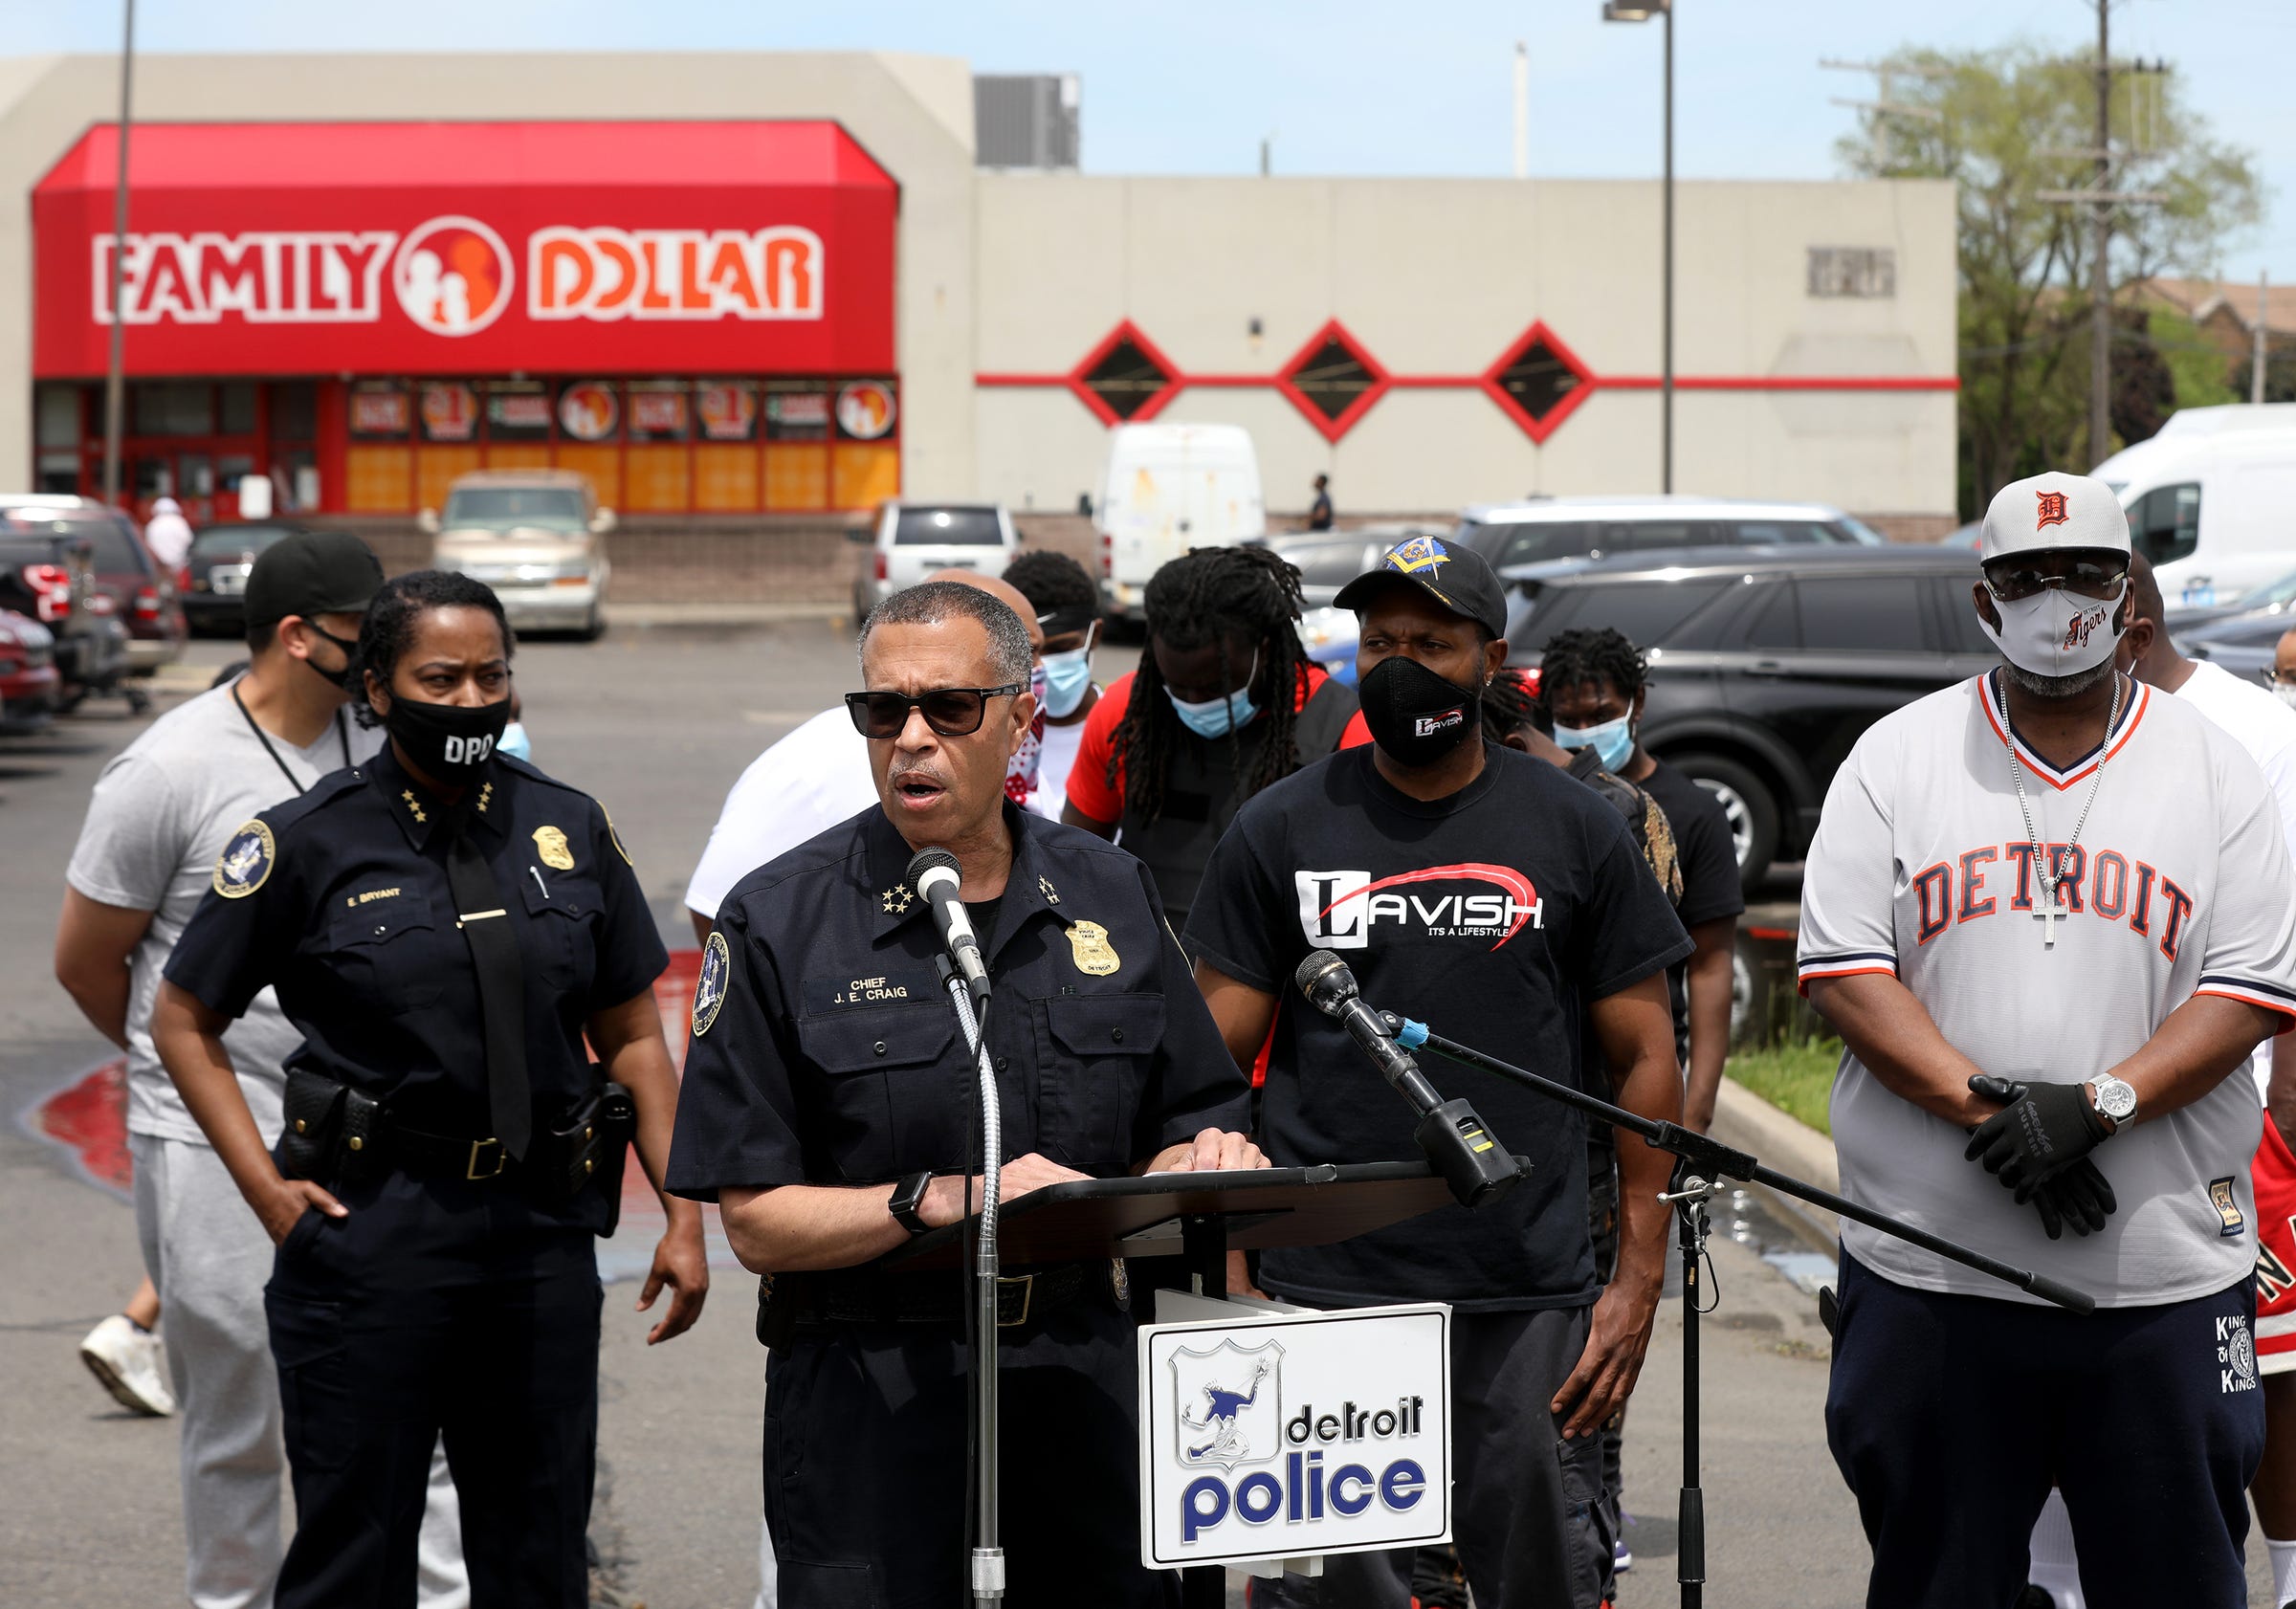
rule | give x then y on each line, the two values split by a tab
126	1360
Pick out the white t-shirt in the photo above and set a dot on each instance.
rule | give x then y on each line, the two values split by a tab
2181	884
2267	728
161	814
814	778
1057	759
800	788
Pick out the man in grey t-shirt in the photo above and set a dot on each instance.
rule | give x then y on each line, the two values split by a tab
162	812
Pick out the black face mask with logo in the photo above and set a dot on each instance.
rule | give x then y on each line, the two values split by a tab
1415	714
447	742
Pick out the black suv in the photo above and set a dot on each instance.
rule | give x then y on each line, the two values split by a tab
1767	664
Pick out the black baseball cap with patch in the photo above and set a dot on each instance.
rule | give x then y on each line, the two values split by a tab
1451	573
312	572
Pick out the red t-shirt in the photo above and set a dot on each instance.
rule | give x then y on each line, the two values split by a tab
1089	789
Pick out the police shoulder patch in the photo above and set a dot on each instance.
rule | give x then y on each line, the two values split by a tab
709	989
246	861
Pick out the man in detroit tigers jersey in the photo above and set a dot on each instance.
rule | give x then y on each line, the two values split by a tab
2049	911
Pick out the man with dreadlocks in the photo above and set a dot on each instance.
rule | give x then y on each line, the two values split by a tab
1224	702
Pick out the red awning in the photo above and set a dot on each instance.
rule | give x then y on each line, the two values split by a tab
472	249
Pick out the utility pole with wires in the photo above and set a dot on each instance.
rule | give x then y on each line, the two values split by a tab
115	384
2256	370
2102	200
1885	106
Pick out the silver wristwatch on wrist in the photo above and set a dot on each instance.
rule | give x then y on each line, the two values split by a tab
2114	1099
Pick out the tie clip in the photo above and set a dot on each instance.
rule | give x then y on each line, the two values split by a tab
480	915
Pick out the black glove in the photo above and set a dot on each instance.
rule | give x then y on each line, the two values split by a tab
2044	1130
2079	1199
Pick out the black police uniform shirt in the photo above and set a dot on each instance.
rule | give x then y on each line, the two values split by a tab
1495	916
338	900
826	1051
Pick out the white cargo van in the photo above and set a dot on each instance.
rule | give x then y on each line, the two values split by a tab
1170	488
2212	501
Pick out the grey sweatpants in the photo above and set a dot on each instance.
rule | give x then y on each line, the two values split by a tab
209	1255
1520	1495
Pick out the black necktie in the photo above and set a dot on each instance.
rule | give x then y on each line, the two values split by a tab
485	921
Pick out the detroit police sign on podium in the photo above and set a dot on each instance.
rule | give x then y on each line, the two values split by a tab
1294	1435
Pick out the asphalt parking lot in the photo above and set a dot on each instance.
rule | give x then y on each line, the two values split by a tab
657	722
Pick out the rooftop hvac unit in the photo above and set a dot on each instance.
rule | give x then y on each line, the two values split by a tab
1025	119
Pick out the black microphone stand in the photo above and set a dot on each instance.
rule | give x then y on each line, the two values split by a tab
985	1574
1701	1164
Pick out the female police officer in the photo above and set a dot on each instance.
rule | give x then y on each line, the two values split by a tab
443	925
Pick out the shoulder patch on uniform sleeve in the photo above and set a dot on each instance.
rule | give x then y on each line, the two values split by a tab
246	861
709	989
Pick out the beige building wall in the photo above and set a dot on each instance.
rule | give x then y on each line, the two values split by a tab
913	114
1439	278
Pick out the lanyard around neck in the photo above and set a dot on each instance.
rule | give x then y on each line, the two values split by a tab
342	736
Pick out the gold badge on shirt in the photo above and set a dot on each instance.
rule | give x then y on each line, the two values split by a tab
552	843
1096	957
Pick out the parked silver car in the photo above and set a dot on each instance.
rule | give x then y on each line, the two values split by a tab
537	537
911	540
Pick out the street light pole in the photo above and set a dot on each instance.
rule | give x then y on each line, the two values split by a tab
1643	11
114	382
1666	404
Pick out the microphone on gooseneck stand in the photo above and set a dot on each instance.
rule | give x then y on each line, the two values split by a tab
932	873
1478	1168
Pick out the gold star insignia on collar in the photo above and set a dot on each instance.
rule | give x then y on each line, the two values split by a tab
486	792
415	809
897	899
1043	886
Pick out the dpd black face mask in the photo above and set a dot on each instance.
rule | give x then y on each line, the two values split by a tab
447	742
1415	714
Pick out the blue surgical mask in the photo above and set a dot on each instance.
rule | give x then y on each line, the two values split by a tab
1613	741
1067	677
1217	718
513	742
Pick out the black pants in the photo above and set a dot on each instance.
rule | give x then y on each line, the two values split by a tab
1519	1495
1951	1416
436	1307
866	1467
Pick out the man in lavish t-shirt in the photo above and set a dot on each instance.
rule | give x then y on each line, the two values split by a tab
1410	859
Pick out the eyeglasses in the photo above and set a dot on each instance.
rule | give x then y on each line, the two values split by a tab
2091	578
2281	676
951	712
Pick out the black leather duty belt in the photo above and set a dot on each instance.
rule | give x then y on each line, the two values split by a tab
938	1299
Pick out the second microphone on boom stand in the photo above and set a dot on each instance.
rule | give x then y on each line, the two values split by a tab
1456	1142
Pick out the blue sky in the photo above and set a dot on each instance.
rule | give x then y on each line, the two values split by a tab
1346	86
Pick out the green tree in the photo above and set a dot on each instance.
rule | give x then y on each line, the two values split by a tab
2011	123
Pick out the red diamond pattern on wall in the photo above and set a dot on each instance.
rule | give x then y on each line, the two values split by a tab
1125	379
1537	382
1332	380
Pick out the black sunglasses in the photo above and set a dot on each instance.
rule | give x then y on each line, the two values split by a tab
953	711
2091	578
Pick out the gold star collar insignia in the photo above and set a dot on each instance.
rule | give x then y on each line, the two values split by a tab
486	794
413	809
897	900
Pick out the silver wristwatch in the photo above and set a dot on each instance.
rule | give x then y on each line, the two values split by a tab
2114	1099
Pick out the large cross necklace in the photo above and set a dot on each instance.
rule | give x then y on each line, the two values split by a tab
2052	873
